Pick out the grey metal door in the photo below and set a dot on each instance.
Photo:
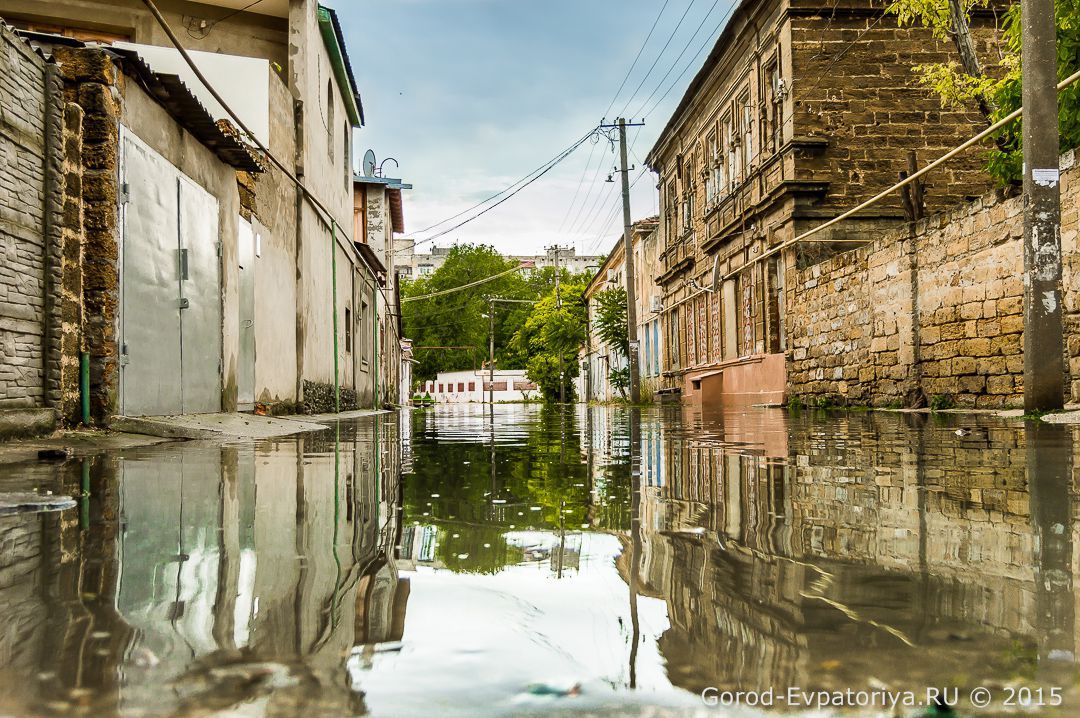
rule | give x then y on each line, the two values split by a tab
200	296
150	307
245	371
170	322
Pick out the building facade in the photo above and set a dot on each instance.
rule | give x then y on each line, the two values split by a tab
801	110
276	254
412	264
472	386
598	359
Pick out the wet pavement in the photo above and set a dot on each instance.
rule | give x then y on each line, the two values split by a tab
552	562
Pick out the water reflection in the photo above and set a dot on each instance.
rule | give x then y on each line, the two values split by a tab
535	561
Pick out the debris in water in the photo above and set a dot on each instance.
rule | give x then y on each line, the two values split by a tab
544	689
52	454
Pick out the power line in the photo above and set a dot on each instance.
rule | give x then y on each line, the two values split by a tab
686	47
710	39
478	282
531	177
636	57
482	202
659	55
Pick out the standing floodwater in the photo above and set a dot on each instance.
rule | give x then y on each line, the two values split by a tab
547	561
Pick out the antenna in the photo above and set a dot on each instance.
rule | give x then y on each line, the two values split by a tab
369	163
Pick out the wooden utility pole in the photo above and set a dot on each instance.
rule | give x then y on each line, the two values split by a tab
628	251
1044	369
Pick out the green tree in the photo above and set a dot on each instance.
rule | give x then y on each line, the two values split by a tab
460	319
999	93
612	330
552	332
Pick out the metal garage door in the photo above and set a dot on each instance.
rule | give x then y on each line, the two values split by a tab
170	323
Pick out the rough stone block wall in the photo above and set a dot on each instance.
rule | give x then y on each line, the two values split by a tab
935	309
31	191
855	86
92	81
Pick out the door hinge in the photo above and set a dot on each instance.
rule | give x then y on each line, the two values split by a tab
125	193
218	246
124	360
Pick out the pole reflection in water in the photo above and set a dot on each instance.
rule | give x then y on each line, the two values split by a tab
522	559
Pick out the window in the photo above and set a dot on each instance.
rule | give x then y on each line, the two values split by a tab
712	159
745	127
472	386
440	388
774	119
330	119
348	330
347	150
730	143
461	386
361	320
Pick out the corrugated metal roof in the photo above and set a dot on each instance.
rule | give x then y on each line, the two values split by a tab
173	94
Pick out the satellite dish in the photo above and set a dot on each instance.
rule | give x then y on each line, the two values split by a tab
369	163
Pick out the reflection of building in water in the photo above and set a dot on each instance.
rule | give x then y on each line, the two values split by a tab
870	548
201	560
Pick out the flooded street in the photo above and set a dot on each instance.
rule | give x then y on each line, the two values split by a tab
589	561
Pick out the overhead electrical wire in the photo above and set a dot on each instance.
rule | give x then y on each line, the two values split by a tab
478	282
636	57
710	38
484	201
532	178
658	56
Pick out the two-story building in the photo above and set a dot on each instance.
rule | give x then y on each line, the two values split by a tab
802	109
597	359
292	279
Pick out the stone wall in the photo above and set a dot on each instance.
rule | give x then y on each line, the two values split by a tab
935	310
31	199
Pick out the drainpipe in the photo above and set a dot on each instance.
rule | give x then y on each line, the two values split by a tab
84	386
333	285
375	344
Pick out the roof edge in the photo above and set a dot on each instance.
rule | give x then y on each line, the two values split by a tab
330	29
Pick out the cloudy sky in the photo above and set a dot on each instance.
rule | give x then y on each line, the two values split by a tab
470	96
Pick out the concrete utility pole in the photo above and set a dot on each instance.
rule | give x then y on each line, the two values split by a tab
1044	370
628	250
558	305
491	353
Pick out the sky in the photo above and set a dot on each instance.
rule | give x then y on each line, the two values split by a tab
470	96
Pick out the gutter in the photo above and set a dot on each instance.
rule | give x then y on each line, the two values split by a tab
330	29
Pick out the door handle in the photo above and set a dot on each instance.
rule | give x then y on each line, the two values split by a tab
247	323
183	264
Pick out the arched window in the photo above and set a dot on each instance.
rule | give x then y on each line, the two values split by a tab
330	118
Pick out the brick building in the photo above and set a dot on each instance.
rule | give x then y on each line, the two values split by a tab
803	109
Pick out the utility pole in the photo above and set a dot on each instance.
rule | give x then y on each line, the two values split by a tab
491	353
628	251
558	305
491	343
1044	370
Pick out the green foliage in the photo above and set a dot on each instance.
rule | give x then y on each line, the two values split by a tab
941	402
553	332
611	324
460	319
620	380
1001	89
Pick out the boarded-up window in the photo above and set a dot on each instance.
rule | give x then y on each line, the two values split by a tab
461	386
440	388
472	386
524	386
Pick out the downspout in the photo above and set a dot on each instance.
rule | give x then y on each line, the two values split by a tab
333	285
84	386
375	344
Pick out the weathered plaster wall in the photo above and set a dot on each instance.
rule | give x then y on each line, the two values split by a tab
936	310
